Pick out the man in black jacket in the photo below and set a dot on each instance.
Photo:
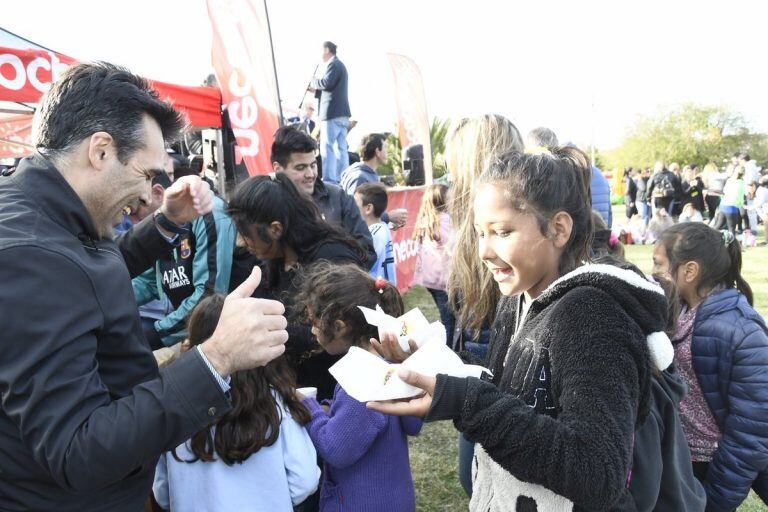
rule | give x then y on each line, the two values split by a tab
332	91
293	153
84	412
663	188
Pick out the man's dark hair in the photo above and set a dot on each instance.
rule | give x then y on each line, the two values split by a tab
289	140
543	137
745	157
184	170
375	194
161	178
331	47
101	97
370	144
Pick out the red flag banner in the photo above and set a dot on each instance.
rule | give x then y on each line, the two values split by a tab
26	74
412	120
403	245
242	60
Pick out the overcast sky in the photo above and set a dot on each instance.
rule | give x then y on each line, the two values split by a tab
578	67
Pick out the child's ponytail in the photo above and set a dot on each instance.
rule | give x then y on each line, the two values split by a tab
327	292
717	252
389	298
543	184
734	270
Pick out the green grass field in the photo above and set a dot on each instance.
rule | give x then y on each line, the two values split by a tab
434	453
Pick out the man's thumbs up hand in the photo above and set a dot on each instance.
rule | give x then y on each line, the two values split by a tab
250	333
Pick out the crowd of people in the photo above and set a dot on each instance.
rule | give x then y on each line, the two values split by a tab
733	198
608	389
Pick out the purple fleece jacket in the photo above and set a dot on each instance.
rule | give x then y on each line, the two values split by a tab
366	456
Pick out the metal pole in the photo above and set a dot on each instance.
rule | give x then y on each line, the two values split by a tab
274	64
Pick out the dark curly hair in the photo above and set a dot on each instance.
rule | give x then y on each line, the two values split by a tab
254	421
328	292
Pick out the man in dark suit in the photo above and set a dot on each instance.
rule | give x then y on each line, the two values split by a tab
331	90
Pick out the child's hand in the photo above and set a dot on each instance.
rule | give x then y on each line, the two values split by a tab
418	406
389	348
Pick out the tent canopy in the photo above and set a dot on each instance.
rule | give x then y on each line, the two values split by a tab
27	71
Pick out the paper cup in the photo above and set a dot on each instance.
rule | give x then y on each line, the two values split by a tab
308	392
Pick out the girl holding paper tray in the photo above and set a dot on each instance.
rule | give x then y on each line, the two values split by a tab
571	349
365	453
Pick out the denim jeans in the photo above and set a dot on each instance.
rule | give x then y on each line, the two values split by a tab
446	315
466	454
333	148
644	209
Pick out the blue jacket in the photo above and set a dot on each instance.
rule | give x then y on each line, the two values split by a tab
601	196
331	90
199	266
730	357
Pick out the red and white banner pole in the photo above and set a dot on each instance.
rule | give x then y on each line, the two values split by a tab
244	67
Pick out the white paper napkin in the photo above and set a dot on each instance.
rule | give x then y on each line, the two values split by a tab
366	377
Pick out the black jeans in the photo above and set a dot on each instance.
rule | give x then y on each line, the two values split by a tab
732	220
712	203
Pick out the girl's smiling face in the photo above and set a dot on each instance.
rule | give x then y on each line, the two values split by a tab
511	244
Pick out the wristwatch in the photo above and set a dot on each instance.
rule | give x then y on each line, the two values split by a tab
168	225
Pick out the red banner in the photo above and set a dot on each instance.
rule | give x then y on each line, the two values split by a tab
15	136
404	247
242	59
412	118
26	74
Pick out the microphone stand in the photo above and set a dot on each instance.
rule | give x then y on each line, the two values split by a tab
307	87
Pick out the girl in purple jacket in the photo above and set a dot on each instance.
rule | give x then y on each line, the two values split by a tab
365	452
721	351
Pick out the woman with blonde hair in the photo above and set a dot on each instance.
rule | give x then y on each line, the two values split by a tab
473	144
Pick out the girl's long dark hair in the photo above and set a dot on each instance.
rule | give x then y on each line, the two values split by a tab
545	184
328	292
262	200
717	253
254	421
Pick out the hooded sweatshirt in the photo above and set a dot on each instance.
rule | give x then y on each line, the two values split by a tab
662	476
554	428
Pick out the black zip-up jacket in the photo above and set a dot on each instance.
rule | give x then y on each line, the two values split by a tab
339	209
554	429
84	412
